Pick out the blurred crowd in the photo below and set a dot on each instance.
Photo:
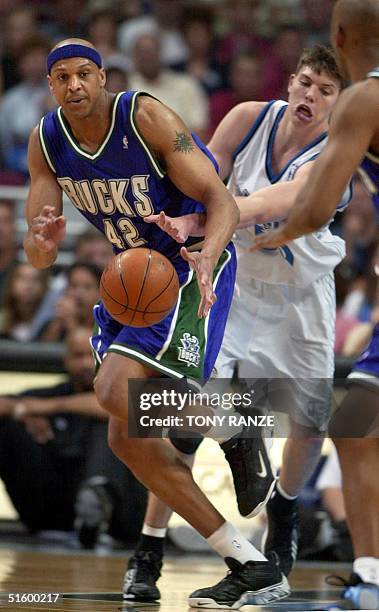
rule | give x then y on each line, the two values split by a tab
201	58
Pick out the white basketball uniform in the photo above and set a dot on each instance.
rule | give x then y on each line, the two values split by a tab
282	319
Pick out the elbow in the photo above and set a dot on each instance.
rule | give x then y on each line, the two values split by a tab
317	219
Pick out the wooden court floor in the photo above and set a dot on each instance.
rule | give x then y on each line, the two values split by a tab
93	582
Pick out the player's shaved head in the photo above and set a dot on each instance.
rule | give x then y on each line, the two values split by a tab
361	16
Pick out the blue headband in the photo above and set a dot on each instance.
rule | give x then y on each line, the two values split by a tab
68	51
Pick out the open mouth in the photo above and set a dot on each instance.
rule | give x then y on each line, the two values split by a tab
304	112
76	101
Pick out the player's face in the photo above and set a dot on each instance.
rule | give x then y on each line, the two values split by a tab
312	96
76	85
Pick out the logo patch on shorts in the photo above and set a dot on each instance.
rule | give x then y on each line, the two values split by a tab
189	352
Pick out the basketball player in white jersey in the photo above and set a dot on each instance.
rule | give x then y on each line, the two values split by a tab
281	325
353	144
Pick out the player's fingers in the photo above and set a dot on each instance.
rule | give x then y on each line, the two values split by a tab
262	242
151	219
162	221
47	210
206	303
189	257
60	221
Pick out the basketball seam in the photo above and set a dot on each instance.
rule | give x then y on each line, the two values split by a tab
122	280
158	296
111	296
147	267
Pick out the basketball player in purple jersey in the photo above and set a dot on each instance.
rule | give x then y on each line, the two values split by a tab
119	159
353	144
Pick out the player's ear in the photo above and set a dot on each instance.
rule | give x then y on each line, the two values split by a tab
50	83
340	38
290	82
103	77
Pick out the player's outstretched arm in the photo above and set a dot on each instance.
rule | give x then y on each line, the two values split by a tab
43	212
353	125
274	202
193	173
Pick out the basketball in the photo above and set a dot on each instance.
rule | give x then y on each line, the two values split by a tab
139	287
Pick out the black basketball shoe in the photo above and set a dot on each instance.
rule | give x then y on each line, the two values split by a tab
253	477
282	534
142	573
255	583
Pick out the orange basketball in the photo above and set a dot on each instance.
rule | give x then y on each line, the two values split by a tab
139	287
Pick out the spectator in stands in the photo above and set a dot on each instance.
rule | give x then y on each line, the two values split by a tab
287	48
316	16
55	461
245	81
359	336
241	19
164	22
93	247
23	106
19	26
117	78
75	306
101	30
359	230
8	244
198	31
181	92
65	19
24	292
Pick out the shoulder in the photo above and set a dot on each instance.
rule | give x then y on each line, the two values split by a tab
150	111
247	112
237	123
358	101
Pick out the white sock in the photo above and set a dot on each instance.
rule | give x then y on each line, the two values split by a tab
367	568
154	531
283	493
227	541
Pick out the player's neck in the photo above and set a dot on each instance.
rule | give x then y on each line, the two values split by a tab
90	131
291	135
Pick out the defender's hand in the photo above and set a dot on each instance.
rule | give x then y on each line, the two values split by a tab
178	228
48	230
271	239
203	267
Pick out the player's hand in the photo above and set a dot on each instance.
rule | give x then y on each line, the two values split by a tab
48	230
272	239
178	228
203	267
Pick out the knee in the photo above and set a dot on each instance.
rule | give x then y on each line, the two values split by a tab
110	396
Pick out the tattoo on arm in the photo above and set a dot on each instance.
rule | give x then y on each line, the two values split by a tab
183	143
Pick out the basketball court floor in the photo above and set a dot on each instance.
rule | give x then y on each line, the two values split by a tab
85	581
